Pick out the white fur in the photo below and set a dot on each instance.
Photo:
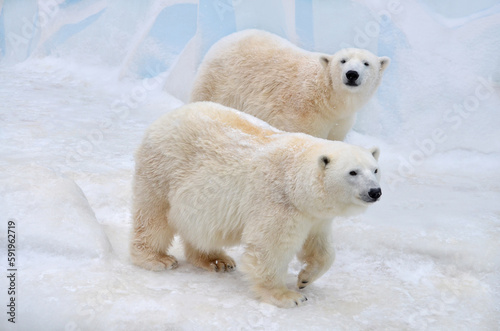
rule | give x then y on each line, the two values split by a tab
218	177
292	89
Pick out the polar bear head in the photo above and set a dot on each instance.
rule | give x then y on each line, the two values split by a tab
355	70
345	180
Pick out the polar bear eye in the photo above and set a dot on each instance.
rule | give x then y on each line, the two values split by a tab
376	170
353	173
343	61
367	64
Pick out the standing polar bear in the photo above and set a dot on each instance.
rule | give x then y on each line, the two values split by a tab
292	89
218	177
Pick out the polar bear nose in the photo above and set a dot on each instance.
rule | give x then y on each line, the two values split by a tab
352	75
375	193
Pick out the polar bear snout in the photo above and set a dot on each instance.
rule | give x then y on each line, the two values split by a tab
374	194
351	78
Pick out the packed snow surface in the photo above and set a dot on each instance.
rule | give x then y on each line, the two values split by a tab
72	113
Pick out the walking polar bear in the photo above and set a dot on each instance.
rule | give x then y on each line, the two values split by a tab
292	89
218	177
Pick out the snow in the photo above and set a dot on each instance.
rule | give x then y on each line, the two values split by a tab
79	87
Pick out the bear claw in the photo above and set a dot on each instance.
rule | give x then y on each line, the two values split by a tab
222	265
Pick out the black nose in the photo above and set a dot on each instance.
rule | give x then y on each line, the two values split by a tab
375	193
352	75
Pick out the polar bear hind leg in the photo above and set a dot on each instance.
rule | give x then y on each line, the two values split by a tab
215	260
152	237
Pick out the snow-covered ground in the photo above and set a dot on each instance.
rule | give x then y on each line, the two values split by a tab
426	257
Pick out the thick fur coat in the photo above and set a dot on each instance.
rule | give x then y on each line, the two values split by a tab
218	177
292	89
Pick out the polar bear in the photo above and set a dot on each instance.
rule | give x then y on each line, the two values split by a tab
218	177
292	89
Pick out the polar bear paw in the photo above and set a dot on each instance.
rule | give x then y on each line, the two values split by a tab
159	262
284	298
305	278
217	261
222	264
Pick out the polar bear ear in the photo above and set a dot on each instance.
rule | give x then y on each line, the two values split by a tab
375	152
324	161
384	63
324	61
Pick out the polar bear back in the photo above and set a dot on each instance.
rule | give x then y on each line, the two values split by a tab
257	72
199	134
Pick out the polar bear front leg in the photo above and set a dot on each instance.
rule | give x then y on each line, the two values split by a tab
266	269
317	254
266	258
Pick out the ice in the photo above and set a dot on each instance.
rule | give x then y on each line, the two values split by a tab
44	227
58	236
81	80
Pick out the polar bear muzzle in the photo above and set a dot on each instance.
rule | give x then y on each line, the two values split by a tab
352	77
375	193
372	195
